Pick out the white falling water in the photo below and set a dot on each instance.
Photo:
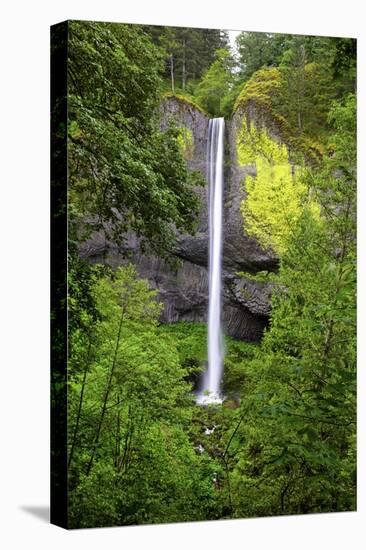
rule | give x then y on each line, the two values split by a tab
210	391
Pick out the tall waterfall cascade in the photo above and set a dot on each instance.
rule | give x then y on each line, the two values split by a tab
210	388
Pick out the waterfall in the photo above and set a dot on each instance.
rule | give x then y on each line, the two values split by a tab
210	390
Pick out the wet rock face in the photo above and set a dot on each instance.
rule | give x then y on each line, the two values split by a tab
184	289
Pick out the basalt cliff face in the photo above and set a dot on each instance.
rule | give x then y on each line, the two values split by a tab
184	289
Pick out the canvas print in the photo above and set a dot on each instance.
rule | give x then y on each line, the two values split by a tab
203	274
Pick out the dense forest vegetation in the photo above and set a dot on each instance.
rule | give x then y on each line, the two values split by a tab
284	440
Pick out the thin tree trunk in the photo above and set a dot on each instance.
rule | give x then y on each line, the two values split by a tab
128	454
301	87
105	400
228	485
76	427
232	436
118	434
184	66
122	459
226	463
299	123
283	494
172	71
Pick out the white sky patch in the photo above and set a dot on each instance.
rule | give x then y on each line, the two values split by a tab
232	37
234	50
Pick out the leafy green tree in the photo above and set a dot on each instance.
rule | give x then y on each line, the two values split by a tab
130	456
344	65
295	451
309	77
308	88
124	173
216	83
257	50
275	196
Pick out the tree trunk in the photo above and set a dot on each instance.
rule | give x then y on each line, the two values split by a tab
122	459
184	66
105	400
172	71
76	427
118	433
299	124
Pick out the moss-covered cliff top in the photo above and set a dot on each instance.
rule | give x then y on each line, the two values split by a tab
261	100
185	100
261	88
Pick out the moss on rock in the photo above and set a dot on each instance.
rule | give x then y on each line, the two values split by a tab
261	95
185	100
261	88
186	142
275	196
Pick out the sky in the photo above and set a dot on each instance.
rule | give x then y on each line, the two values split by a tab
232	36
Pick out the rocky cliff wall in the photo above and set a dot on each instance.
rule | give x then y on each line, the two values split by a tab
184	289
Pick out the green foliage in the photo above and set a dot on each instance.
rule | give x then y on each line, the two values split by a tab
295	95
263	276
124	173
216	84
266	50
275	196
188	53
186	142
257	50
295	452
130	456
266	92
186	100
308	90
237	355
261	88
253	143
190	339
344	65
